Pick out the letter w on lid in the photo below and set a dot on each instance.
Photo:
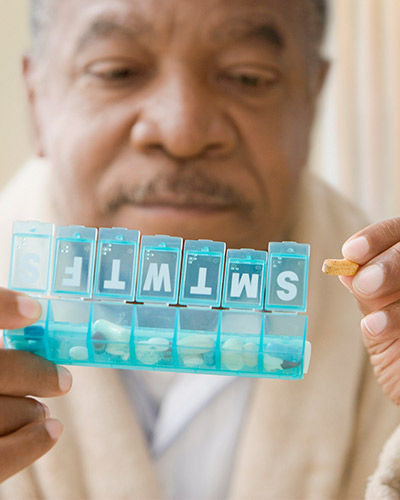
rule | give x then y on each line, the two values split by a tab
203	264
245	272
74	261
287	276
159	268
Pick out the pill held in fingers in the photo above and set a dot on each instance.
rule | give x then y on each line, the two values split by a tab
340	267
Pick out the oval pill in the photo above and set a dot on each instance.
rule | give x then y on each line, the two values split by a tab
111	331
192	361
79	353
250	354
231	354
195	344
272	363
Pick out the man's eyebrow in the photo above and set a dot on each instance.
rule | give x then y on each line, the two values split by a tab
240	30
106	27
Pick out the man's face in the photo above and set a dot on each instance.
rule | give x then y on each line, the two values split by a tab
179	117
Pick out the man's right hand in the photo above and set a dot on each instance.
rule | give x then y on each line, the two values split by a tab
26	431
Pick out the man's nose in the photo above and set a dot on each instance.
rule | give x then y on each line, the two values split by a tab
182	119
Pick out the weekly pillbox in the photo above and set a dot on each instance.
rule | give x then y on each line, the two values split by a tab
113	298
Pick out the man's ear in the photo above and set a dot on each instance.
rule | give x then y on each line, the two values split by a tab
30	80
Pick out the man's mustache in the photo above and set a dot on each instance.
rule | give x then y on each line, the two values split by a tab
191	189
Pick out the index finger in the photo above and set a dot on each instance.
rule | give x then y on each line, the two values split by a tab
372	241
23	374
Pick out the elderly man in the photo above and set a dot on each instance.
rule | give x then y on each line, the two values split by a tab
189	118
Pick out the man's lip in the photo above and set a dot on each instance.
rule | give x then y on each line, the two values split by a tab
183	207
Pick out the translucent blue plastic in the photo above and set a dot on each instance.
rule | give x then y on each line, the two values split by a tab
159	268
203	264
74	261
116	263
31	257
244	285
107	329
287	277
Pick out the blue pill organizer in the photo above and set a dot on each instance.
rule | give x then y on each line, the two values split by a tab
116	299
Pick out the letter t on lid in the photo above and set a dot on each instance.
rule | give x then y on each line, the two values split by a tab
203	265
116	263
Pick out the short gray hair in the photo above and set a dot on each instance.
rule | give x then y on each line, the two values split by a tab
41	12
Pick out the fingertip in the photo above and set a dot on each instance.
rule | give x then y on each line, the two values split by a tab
64	379
28	307
356	249
375	324
54	428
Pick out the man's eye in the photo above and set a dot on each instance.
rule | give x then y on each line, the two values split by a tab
250	80
112	73
119	74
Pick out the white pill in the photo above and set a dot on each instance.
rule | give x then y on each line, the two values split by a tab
231	354
250	354
195	344
271	363
112	331
121	350
79	353
147	357
192	361
150	351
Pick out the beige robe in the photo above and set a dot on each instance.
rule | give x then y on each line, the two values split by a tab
313	439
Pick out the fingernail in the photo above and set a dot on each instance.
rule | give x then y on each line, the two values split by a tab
64	378
54	428
46	410
28	307
356	249
375	323
369	280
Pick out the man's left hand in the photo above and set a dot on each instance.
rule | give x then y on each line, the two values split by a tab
376	287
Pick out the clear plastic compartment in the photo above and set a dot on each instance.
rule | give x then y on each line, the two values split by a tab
111	333
244	283
154	335
197	338
202	273
287	277
116	263
32	338
240	339
283	345
31	257
74	258
159	269
68	327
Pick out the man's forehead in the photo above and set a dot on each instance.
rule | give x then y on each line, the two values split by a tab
217	19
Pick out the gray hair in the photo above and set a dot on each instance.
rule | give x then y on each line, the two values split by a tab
41	13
